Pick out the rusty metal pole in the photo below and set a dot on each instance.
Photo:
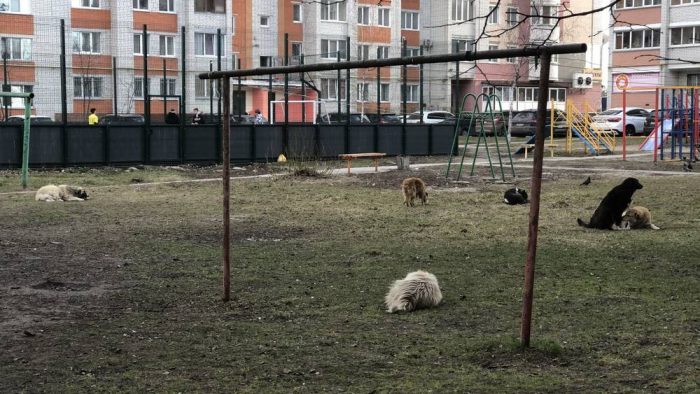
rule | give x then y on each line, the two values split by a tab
226	157
535	187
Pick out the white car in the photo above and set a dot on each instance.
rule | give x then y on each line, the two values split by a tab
430	117
611	120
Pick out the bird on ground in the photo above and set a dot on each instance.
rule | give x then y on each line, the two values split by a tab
586	182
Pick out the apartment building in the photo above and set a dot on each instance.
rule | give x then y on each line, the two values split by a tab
105	49
660	47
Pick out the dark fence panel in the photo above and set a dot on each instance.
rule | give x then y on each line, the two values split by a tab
45	145
360	139
442	136
331	141
10	146
389	139
201	143
301	141
165	142
417	137
269	142
125	144
85	145
242	143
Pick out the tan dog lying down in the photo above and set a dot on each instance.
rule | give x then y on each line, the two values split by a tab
51	193
417	290
638	218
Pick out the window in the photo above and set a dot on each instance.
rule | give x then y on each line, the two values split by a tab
264	21
363	15
362	92
205	44
640	3
383	17
462	10
138	86
504	93
511	59
138	44
140	4
17	48
693	80
528	94
331	48
409	20
267	61
330	91
384	92
493	14
297	49
540	15
411	52
87	87
493	47
410	94
15	6
382	52
167	86
167	45
202	88
166	5
689	35
557	94
460	45
363	52
85	3
86	42
512	16
296	13
638	39
216	6
18	102
333	10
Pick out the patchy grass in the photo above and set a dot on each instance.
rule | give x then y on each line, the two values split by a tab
122	292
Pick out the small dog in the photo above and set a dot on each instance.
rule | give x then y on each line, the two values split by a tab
51	193
608	215
638	218
413	188
515	196
417	290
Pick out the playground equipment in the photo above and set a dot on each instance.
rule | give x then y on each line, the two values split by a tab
676	122
476	122
579	124
24	177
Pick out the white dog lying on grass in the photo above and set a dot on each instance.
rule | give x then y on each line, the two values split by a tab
417	290
51	193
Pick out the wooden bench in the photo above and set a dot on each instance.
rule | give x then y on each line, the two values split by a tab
526	147
374	156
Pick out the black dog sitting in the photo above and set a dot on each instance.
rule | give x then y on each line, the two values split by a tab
608	215
515	196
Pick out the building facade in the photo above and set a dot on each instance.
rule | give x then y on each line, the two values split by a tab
659	49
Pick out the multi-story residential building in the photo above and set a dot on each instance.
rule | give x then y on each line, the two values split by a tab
100	34
654	43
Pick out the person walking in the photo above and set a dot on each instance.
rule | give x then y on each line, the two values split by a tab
197	118
172	117
92	118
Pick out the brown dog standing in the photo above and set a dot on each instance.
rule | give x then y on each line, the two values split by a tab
413	188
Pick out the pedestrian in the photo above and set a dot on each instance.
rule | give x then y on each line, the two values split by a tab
258	117
172	118
92	118
197	118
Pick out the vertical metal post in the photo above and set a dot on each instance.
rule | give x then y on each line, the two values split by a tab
219	49
211	91
164	91
269	99
457	109
624	124
656	123
404	70
286	82
114	84
303	91
536	187
25	142
64	93
226	156
379	93
183	89
146	100
5	83
347	79
420	88
337	85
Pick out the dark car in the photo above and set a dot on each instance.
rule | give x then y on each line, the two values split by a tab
385	118
245	119
336	118
34	119
523	123
112	119
473	122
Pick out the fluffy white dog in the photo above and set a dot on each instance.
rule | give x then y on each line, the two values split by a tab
51	193
417	290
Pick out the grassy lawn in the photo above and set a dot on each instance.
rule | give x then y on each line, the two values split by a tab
122	292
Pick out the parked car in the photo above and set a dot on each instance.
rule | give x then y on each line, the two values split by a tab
611	120
336	118
245	119
498	122
430	117
385	118
523	123
33	119
121	119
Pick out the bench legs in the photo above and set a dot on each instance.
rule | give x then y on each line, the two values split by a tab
349	165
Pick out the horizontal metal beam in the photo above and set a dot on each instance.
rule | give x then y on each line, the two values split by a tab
400	61
17	94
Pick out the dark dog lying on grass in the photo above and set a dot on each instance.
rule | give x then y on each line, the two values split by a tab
515	196
608	216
